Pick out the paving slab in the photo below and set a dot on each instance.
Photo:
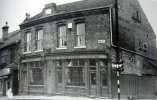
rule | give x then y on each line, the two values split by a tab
32	97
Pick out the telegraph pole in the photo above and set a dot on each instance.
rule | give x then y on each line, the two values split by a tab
117	48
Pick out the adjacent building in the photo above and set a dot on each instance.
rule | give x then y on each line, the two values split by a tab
69	49
9	60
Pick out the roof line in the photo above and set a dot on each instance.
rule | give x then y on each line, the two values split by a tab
109	6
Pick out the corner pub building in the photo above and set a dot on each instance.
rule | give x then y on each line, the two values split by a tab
68	49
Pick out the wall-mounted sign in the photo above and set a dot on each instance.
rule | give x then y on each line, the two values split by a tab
101	41
4	71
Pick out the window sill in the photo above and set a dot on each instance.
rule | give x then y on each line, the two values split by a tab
36	85
75	86
38	51
27	52
80	47
61	48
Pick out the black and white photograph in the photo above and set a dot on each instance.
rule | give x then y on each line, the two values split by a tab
78	49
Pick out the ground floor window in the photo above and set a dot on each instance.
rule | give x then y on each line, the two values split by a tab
1	87
75	76
36	73
24	74
75	72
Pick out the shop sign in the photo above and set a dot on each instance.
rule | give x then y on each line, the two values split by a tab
4	71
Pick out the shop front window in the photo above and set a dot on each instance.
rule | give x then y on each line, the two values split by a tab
36	74
1	87
75	73
24	72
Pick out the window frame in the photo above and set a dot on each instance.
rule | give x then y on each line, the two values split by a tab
80	36
35	67
27	42
61	44
39	40
136	16
24	73
76	69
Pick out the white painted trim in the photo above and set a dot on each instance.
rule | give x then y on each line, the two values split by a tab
118	81
61	48
80	47
118	90
27	52
38	51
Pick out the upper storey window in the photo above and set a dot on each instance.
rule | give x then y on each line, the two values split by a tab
39	40
137	16
80	36
62	36
27	42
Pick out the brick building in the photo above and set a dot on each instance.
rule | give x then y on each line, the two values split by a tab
9	48
69	49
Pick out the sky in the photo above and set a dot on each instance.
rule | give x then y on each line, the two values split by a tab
13	11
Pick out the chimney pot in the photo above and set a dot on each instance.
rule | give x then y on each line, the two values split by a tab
5	31
27	15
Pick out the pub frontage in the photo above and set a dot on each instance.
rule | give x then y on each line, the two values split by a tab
78	74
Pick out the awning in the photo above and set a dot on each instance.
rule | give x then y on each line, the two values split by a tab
4	71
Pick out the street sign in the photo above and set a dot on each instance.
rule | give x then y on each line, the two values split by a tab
118	66
101	41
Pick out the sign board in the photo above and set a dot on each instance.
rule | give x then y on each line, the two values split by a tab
101	41
4	71
117	65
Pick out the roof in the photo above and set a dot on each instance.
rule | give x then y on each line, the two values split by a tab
12	38
75	6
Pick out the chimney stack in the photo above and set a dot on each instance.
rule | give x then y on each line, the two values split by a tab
50	5
50	8
5	31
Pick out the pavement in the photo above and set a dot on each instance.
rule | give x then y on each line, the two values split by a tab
32	97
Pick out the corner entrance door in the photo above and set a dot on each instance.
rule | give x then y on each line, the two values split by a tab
92	83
